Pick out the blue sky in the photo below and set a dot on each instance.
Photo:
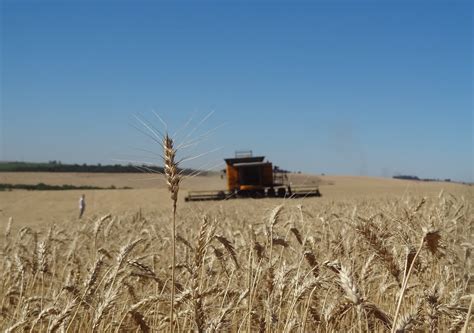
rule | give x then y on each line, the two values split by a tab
338	87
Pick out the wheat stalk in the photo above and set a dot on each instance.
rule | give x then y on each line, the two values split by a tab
8	228
172	179
468	316
431	237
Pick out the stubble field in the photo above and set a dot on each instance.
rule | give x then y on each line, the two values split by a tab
340	263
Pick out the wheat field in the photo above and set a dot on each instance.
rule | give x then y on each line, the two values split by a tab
333	264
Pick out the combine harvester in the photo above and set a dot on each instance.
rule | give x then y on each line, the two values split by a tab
250	177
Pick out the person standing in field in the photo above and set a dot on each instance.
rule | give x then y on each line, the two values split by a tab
82	205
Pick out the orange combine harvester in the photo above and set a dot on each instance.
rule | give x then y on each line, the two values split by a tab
251	177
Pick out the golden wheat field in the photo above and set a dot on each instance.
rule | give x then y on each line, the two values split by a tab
371	255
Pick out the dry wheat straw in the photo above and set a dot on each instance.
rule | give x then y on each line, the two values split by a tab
325	276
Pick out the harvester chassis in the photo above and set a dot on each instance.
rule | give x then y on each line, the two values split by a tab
273	192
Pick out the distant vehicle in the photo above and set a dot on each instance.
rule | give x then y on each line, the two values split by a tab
250	177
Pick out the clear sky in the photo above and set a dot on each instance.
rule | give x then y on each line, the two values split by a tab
337	87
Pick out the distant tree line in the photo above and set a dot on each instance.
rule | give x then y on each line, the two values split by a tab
46	187
409	177
406	177
57	166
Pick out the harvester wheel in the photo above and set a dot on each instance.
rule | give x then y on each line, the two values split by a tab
271	193
261	193
281	192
